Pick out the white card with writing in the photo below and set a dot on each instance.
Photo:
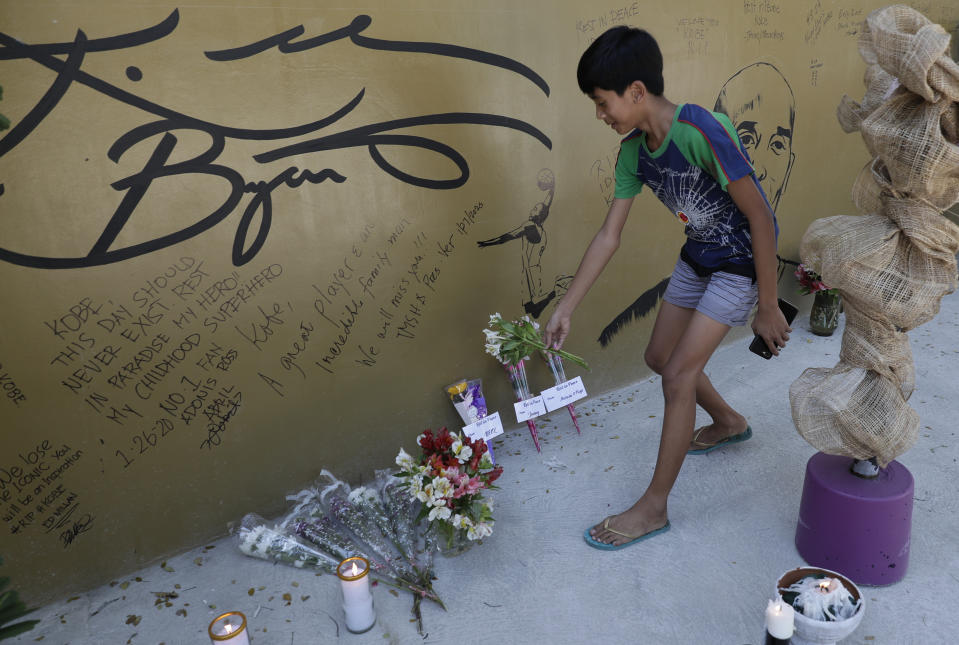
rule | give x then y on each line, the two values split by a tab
486	428
529	409
564	394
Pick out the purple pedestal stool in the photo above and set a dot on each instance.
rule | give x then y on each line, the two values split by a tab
858	527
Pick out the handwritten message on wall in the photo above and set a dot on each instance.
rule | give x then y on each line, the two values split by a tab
238	251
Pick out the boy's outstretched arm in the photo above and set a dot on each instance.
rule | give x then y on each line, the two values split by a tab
769	322
597	255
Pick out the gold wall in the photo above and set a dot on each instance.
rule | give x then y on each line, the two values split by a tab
239	244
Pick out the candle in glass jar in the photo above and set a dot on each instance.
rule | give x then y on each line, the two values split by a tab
230	628
779	620
357	598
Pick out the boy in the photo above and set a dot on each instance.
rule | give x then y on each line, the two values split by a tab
693	161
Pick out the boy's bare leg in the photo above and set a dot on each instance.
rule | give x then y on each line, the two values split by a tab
680	377
671	323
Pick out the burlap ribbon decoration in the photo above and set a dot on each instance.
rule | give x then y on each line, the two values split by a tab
893	264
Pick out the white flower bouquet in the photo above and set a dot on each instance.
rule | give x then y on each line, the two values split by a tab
512	343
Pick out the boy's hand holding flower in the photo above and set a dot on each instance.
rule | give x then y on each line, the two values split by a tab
513	341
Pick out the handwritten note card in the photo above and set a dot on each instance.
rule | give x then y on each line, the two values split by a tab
529	409
564	394
486	428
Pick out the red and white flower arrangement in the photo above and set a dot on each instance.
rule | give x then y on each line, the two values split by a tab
811	282
449	479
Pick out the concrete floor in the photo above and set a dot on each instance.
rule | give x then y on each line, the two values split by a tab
733	516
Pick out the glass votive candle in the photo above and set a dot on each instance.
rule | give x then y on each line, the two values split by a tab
229	628
357	598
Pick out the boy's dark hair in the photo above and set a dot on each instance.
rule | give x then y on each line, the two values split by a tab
618	57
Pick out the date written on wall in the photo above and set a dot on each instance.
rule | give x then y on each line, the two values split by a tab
205	405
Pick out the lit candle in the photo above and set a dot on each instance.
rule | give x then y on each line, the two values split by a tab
779	620
229	628
823	599
357	599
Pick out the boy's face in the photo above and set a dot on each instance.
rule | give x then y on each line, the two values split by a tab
618	112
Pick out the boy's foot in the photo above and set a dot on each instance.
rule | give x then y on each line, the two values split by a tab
629	525
716	432
704	442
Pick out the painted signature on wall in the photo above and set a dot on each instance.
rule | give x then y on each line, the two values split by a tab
255	222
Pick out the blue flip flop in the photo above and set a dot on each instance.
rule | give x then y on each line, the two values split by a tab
596	544
708	448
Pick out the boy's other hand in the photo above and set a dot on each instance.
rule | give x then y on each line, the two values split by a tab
557	329
772	326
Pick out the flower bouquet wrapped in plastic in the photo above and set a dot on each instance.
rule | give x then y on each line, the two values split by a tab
555	363
402	513
467	397
332	522
520	384
258	539
512	343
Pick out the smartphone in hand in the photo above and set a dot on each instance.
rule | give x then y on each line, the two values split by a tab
758	346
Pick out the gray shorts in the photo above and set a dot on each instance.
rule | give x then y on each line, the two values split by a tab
725	297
